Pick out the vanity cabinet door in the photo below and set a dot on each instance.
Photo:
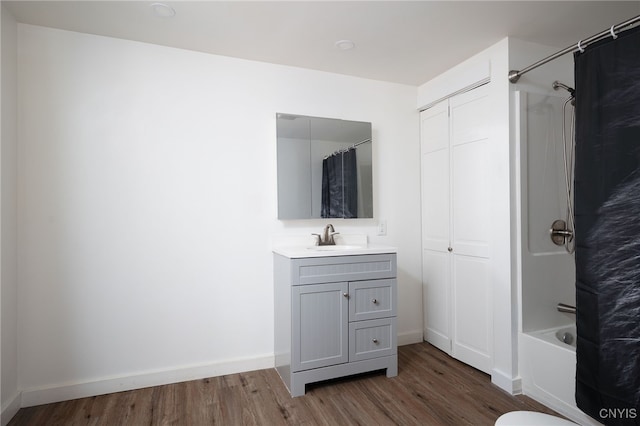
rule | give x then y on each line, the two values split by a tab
319	324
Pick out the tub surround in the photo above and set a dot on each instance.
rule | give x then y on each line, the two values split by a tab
547	366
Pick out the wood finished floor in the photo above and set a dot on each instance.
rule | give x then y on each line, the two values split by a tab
431	389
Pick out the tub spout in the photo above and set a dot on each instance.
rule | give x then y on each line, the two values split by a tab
563	307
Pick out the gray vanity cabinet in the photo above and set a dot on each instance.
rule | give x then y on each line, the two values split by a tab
334	316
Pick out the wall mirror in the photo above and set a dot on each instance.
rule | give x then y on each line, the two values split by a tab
324	168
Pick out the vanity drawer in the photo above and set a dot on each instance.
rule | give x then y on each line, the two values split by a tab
372	339
372	299
310	270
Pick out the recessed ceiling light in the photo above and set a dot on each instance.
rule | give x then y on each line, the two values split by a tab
162	10
345	44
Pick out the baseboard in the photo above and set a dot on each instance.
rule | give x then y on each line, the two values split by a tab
10	409
46	395
506	383
65	392
410	338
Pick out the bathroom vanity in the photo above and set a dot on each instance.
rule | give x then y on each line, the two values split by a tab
335	313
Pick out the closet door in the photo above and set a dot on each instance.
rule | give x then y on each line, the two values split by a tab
471	166
456	202
436	258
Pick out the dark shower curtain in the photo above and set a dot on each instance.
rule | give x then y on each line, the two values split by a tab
340	185
607	208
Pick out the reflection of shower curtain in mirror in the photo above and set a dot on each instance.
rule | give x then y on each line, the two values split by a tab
340	185
607	209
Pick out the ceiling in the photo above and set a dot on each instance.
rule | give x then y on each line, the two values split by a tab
404	42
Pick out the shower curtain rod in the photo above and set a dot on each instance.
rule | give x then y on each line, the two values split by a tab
347	149
514	75
360	143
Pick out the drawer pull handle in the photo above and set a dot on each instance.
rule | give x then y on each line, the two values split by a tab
374	301
374	340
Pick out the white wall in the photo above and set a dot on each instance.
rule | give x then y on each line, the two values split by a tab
147	207
8	220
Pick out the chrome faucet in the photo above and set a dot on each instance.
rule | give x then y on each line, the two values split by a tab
326	239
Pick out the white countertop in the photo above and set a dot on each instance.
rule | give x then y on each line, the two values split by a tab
298	246
295	252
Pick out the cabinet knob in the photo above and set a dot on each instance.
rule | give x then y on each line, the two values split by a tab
345	294
374	340
374	301
450	249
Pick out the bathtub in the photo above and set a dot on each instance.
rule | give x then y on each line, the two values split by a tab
564	337
548	370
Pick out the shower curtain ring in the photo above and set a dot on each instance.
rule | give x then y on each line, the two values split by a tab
580	48
613	33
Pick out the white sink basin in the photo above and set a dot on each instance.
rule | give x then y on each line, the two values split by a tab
334	248
301	246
